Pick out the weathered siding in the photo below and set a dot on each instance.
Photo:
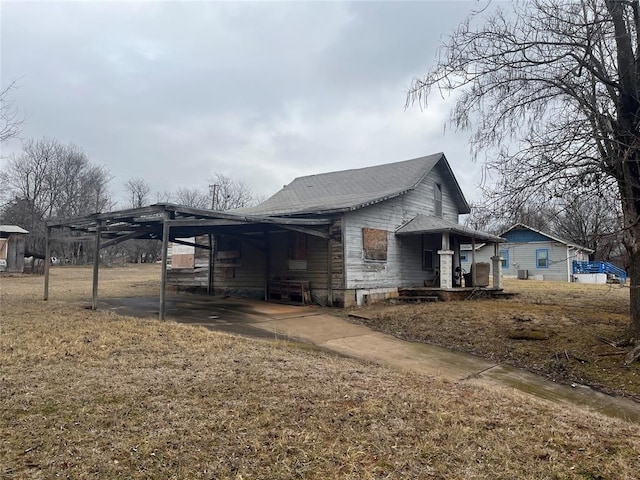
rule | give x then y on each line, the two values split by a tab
239	267
14	252
403	266
316	272
522	256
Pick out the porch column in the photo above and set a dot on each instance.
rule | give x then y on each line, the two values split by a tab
446	268
497	272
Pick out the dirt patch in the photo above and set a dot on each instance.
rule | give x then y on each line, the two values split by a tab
563	331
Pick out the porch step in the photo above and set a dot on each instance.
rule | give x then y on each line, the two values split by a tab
418	298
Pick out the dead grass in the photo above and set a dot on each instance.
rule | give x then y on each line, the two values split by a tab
575	318
93	395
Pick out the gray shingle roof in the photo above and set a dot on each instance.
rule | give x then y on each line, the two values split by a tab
12	229
548	235
348	189
427	224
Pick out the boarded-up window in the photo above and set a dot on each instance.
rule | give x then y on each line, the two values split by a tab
374	244
3	248
297	246
297	251
437	199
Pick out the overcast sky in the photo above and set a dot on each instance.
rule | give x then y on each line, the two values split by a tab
174	92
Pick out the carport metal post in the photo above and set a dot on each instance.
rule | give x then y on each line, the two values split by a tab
267	263
165	249
213	242
47	263
96	266
473	262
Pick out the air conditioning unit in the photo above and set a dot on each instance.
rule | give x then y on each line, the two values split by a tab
523	274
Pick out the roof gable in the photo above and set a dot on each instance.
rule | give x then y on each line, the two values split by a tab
352	189
521	233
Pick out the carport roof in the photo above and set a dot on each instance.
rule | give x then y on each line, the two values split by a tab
147	222
421	224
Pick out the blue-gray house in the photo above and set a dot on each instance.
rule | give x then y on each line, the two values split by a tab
529	252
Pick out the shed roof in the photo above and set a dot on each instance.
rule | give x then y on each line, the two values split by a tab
346	190
12	229
421	224
520	226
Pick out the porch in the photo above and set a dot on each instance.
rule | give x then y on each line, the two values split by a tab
441	257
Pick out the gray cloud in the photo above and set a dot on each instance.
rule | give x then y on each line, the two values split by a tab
263	92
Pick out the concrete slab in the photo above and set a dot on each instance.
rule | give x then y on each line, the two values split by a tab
317	328
313	325
411	356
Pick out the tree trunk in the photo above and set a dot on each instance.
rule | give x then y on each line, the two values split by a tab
630	193
634	282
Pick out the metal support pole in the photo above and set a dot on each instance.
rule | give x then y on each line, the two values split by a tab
211	260
96	266
267	264
163	280
474	282
47	263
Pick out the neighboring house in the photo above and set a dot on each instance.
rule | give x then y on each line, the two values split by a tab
12	246
387	226
532	253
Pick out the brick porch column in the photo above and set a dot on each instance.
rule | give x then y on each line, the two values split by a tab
446	268
497	271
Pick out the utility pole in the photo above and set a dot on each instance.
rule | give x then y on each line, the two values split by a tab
213	190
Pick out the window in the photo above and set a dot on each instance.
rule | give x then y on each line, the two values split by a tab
542	258
297	251
504	258
374	243
463	257
437	199
427	259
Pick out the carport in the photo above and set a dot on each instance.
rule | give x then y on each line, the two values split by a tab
171	223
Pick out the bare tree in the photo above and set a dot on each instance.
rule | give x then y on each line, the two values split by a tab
139	251
10	120
227	193
561	80
192	197
137	190
594	222
48	180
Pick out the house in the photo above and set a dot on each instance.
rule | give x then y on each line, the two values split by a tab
341	238
12	247
531	253
389	226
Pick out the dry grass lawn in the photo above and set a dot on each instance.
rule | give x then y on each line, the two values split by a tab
89	394
578	319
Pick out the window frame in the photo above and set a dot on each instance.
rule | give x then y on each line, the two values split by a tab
546	252
504	258
437	199
424	263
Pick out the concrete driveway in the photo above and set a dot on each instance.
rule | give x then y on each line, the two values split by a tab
313	325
